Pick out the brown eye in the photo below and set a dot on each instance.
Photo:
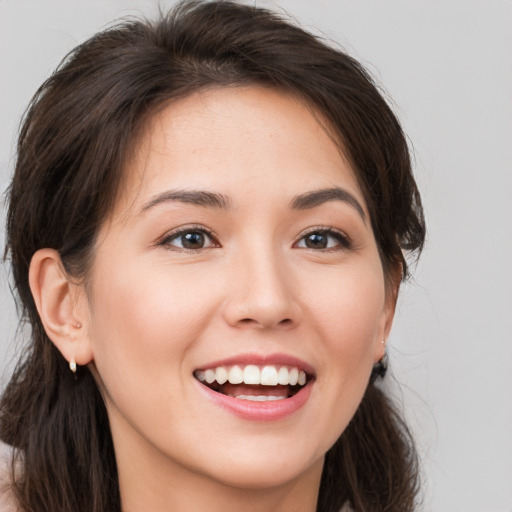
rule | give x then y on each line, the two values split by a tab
189	239
316	241
323	239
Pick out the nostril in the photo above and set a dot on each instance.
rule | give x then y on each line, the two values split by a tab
285	322
249	323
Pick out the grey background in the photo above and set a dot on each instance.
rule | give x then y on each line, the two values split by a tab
447	66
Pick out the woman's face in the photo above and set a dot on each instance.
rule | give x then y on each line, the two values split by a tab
239	248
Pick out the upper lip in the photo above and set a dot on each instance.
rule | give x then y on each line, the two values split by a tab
261	360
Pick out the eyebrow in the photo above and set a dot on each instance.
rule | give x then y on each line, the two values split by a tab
195	197
319	197
207	199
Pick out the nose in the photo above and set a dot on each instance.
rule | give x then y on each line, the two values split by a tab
262	293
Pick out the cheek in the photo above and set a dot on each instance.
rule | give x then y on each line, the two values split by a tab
144	321
348	322
351	306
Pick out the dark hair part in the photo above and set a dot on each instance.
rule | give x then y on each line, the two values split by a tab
72	146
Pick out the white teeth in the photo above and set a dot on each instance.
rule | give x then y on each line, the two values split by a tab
221	375
259	398
236	375
209	376
269	376
283	376
294	376
252	375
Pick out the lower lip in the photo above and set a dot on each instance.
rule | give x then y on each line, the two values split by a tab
259	411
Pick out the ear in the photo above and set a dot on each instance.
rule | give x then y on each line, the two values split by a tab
62	306
388	313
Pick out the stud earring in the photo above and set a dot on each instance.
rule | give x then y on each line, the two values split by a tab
78	325
72	365
380	368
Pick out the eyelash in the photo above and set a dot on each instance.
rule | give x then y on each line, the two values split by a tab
343	241
176	234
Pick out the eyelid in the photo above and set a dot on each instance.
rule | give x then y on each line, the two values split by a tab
345	242
174	233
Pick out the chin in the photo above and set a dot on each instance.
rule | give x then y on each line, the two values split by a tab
264	463
267	474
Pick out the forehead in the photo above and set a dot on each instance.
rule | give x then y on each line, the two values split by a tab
236	139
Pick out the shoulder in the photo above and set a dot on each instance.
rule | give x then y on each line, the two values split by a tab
8	503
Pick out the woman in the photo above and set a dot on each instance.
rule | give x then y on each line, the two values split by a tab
206	227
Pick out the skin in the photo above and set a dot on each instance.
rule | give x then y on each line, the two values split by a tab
154	312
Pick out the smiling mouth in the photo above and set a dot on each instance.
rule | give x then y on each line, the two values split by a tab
254	383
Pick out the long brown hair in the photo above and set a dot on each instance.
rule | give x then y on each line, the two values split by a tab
76	135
